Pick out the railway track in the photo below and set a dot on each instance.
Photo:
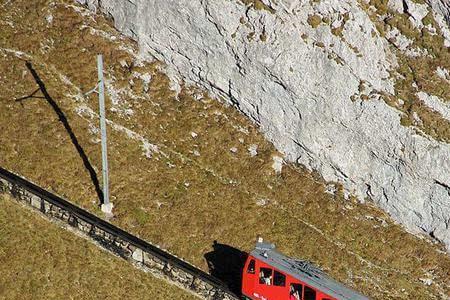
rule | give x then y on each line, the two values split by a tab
113	238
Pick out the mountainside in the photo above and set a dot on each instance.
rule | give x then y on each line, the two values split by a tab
185	169
356	90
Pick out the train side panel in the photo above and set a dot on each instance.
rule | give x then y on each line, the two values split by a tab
261	281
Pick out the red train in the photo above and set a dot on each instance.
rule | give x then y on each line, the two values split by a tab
269	275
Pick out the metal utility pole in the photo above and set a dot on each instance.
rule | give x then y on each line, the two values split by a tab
106	205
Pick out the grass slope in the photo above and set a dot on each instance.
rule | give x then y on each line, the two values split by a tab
39	260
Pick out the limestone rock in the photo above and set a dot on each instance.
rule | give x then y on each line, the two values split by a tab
416	11
442	7
400	41
253	150
138	255
441	11
277	164
436	104
443	73
396	6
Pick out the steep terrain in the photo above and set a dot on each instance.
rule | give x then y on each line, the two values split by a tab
41	261
356	90
185	169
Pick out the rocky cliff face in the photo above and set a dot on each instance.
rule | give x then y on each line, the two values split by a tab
356	90
442	7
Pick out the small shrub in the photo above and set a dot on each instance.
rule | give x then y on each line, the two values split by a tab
314	20
258	5
263	37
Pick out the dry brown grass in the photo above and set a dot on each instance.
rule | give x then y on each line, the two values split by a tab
39	260
181	201
314	20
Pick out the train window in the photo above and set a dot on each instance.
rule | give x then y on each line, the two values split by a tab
265	276
279	279
251	267
310	294
295	291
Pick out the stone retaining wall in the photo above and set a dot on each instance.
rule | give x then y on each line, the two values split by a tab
141	258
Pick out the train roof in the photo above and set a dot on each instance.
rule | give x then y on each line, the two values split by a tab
305	272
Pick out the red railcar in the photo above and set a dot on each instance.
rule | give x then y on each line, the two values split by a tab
269	275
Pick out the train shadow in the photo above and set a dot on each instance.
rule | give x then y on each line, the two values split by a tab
63	119
226	263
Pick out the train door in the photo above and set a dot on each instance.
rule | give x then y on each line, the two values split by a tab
279	287
249	277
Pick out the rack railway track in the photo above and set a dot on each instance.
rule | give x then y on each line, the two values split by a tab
147	256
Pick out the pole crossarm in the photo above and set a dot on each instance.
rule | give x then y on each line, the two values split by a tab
94	90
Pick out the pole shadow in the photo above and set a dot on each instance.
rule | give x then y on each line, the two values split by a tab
63	119
226	263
